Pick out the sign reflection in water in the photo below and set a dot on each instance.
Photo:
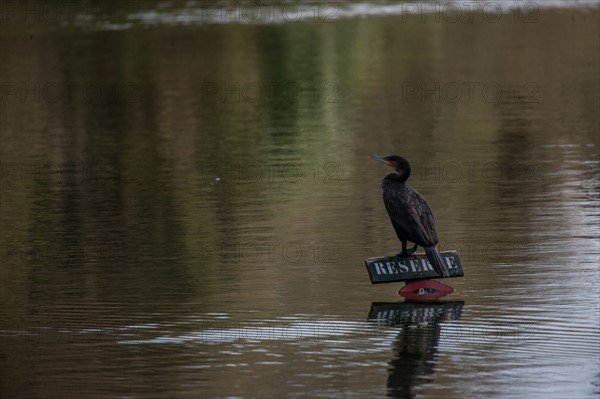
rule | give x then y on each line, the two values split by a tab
416	344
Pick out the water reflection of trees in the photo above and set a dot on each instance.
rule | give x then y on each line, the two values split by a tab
165	134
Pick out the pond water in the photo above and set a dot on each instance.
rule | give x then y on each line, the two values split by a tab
187	199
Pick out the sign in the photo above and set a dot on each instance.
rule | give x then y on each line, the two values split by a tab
389	269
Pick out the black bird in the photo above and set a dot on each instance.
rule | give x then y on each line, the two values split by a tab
410	214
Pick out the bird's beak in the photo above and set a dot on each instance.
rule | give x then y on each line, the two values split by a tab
381	159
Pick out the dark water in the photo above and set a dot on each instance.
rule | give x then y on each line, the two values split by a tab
187	200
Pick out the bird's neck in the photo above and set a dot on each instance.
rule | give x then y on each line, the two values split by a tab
402	175
398	177
403	170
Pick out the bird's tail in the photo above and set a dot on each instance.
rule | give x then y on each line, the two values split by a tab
436	261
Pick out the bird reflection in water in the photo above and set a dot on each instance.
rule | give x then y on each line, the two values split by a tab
416	344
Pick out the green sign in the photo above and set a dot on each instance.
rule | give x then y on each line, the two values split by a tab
389	269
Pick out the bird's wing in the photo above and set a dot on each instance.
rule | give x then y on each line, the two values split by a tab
412	213
402	229
398	213
427	222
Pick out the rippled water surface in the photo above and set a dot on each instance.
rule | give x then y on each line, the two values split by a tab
187	201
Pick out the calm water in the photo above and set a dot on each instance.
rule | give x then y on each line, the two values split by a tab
187	200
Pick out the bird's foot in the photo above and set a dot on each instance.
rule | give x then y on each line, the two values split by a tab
407	252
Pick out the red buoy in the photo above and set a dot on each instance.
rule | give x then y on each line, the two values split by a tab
425	290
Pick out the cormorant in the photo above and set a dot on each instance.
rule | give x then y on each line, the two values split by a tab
410	214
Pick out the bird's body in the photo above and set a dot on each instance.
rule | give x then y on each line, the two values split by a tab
409	213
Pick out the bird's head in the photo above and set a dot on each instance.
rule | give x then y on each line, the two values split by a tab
398	163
